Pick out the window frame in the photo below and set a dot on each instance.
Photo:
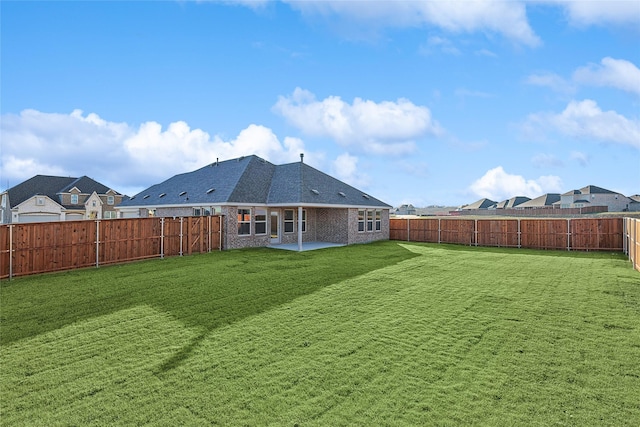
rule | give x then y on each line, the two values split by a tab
244	221
378	220
74	199
260	222
304	220
111	200
362	216
369	220
289	222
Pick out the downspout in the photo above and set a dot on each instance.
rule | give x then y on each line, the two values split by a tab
300	207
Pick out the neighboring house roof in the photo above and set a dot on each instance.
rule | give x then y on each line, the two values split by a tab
635	198
480	204
252	180
52	186
544	200
38	185
589	189
592	189
512	202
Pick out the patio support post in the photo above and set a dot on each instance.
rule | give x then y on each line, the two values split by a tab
300	228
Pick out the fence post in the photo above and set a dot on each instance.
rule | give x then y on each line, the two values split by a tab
181	222
475	231
209	234
519	232
624	236
11	251
162	238
439	228
408	231
220	232
97	243
568	234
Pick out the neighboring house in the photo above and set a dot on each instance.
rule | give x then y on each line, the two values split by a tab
480	204
595	196
512	202
405	210
55	198
634	204
265	204
544	201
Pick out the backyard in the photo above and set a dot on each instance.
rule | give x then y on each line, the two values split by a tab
388	333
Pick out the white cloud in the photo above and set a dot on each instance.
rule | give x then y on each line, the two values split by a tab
345	168
591	12
585	120
580	157
552	81
498	185
435	43
121	156
617	73
383	128
544	160
507	18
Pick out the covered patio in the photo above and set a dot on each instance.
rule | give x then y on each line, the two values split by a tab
305	246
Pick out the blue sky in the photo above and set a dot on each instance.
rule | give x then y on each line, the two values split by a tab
438	102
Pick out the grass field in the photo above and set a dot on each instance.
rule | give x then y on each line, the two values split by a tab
380	334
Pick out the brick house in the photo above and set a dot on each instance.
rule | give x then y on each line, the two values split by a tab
263	204
592	195
45	198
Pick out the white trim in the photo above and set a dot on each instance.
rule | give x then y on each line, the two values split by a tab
275	205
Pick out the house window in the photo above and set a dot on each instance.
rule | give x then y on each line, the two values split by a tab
93	203
378	220
197	211
261	221
304	220
74	199
39	201
244	221
369	220
288	221
109	215
361	217
110	200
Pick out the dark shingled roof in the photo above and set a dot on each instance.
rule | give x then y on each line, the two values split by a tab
253	180
512	202
51	186
545	200
480	204
590	189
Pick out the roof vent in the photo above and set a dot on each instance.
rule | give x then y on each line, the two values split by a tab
314	191
132	197
211	190
366	196
182	193
342	194
162	195
146	196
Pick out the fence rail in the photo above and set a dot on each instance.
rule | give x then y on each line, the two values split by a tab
583	234
54	246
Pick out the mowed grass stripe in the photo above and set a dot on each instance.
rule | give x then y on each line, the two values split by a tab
451	336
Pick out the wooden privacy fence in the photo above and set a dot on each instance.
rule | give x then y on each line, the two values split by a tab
632	241
55	246
581	234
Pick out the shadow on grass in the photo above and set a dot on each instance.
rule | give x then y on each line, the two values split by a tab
203	291
523	251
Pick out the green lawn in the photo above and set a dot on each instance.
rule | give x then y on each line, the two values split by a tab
388	333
